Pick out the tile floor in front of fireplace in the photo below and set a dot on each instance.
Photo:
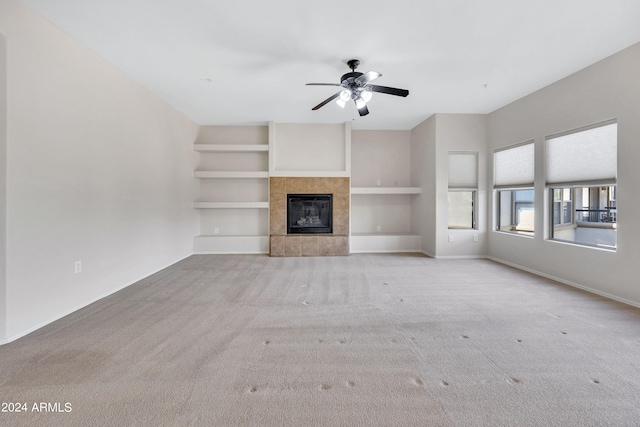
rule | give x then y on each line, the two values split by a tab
292	246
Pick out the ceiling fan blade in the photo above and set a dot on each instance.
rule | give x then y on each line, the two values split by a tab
326	101
389	90
323	84
368	76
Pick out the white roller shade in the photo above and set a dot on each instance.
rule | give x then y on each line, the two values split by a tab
588	155
514	166
463	170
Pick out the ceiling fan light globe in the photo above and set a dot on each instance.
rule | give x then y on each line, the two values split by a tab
341	102
366	95
360	103
345	95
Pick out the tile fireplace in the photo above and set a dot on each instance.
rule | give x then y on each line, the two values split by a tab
309	216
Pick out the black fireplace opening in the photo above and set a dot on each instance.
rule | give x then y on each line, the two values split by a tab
309	213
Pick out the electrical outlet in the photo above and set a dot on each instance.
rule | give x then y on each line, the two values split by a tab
379	182
78	267
450	238
215	230
378	228
475	237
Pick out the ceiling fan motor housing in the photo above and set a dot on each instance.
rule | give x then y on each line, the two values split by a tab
350	77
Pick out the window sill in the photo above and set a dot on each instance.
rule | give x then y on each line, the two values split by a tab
529	234
564	227
584	245
605	225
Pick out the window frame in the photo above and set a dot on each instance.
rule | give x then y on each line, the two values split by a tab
579	185
474	195
576	223
513	211
460	181
508	179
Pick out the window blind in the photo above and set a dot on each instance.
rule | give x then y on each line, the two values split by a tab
588	155
463	170
514	167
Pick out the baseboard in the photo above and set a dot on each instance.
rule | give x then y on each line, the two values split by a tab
81	306
430	255
461	257
231	253
393	251
567	282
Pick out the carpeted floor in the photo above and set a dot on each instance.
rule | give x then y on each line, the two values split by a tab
363	340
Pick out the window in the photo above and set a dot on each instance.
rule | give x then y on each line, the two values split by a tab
581	177
513	184
516	211
562	206
463	183
461	212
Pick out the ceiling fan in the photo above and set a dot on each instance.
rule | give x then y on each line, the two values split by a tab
356	86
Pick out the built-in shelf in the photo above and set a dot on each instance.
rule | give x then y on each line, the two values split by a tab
220	244
230	147
380	234
231	205
237	165
386	190
385	242
231	174
314	174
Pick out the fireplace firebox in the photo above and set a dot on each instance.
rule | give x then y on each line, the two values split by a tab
309	213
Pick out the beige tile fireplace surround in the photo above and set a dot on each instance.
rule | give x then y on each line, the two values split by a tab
333	244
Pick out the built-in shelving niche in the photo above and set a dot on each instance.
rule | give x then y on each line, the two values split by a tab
381	193
233	201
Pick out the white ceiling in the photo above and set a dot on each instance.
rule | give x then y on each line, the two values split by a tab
247	61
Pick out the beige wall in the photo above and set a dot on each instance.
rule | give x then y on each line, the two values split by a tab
3	185
431	142
310	149
460	132
99	171
423	174
383	155
608	89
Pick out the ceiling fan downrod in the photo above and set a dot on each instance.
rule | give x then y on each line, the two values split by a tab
353	64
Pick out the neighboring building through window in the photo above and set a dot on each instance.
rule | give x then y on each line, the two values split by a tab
463	185
513	181
516	211
581	177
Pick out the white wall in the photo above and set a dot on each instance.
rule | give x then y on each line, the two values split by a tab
385	156
233	135
423	175
310	149
380	155
99	170
605	90
390	212
460	132
3	185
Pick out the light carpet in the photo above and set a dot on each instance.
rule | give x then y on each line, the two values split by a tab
363	340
